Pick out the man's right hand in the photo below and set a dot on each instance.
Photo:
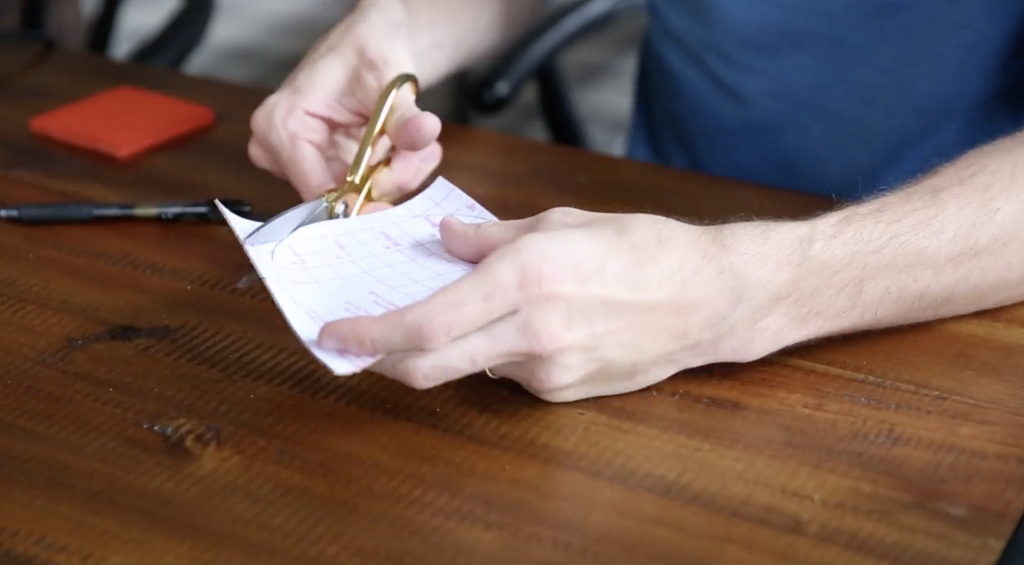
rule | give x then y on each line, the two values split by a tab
309	130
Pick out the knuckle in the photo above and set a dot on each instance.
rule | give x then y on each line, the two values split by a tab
414	374
256	155
277	121
258	119
280	119
555	377
540	272
293	124
550	379
558	217
430	334
543	336
264	119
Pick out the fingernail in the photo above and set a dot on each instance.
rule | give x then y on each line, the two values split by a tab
331	341
326	343
456	224
327	340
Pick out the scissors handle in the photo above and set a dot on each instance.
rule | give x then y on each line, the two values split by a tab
360	175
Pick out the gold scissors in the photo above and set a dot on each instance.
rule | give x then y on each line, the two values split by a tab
333	204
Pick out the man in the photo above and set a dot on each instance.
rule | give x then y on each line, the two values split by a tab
907	107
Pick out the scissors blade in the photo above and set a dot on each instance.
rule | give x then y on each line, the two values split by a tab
280	226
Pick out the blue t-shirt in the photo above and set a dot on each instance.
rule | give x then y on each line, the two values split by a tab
841	98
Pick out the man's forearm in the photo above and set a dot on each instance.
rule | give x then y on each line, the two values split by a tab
947	244
450	35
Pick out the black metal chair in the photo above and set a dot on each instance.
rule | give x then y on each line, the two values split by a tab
534	57
170	47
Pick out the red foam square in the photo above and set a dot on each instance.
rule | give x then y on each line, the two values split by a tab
123	121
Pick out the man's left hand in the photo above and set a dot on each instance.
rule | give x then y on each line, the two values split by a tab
571	305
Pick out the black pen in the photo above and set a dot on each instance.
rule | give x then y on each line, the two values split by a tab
60	212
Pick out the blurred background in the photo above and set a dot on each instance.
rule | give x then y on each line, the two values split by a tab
258	42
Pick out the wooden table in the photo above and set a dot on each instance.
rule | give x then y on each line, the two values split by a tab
153	412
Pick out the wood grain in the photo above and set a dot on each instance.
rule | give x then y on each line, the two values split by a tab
152	412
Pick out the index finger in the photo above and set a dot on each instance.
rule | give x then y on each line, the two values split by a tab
307	169
471	302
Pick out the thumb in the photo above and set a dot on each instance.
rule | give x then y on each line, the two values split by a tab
408	127
474	242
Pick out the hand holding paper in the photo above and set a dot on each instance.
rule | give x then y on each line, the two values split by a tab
364	265
570	304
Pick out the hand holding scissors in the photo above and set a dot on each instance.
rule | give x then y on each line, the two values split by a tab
348	199
309	131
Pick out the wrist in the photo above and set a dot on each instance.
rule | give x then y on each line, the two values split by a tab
780	287
405	37
373	42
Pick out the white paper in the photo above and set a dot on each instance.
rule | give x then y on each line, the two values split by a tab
366	265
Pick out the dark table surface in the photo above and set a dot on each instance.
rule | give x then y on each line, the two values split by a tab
153	412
